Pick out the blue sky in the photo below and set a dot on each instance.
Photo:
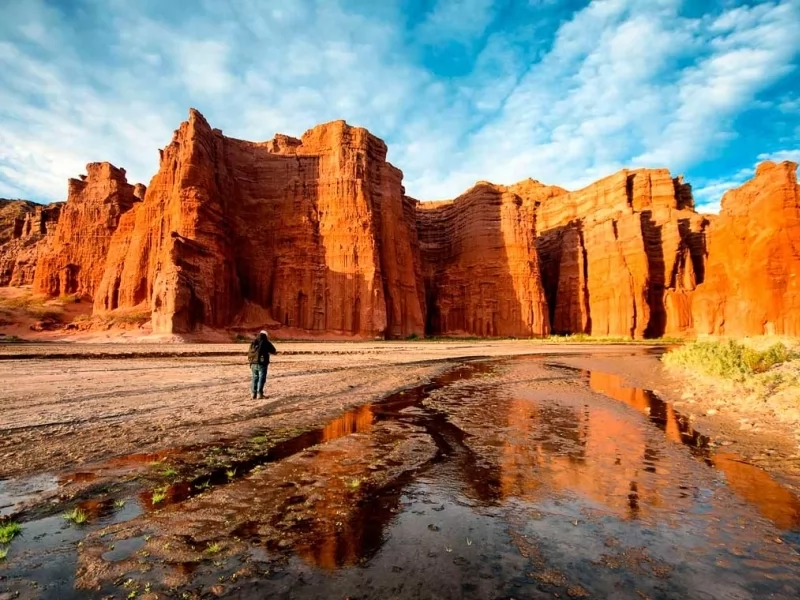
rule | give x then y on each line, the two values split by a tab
565	92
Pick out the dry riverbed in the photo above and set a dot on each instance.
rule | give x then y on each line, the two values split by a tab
453	469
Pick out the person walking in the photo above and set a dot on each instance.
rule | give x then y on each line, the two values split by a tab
258	357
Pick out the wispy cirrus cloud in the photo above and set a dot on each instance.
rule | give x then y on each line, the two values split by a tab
565	96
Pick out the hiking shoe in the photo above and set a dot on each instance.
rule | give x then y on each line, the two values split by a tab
262	397
254	396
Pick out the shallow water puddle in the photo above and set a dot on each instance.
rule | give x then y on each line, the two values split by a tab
502	479
16	492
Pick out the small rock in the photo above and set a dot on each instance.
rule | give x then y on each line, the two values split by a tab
433	527
726	443
218	590
711	412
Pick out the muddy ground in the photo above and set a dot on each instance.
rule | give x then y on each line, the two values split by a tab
451	469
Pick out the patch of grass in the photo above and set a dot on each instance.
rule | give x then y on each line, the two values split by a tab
214	548
119	503
76	515
3	554
10	339
36	307
411	337
8	531
169	471
259	439
354	483
730	359
135	317
240	339
231	473
159	495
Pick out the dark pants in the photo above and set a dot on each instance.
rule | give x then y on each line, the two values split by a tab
259	378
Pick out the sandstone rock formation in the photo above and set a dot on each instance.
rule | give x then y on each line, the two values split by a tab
480	268
73	259
751	279
614	255
316	236
312	234
23	227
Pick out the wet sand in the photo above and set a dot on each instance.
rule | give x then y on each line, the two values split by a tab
64	405
407	470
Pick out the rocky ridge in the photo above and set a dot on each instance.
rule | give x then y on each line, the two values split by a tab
24	226
316	236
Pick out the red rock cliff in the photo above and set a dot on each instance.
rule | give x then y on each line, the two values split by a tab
612	253
313	234
751	279
23	227
480	266
73	259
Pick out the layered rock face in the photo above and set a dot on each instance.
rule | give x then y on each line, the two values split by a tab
479	263
23	227
751	279
622	256
72	260
314	234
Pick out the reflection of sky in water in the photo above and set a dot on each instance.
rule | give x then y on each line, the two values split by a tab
16	492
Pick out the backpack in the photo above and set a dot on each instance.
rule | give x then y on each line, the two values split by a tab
252	353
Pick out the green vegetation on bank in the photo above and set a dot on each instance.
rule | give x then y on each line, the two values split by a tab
33	307
76	515
730	359
8	531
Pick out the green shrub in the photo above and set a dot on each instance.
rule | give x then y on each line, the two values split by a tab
730	360
8	531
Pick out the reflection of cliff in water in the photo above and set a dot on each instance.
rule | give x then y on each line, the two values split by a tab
756	486
590	452
773	500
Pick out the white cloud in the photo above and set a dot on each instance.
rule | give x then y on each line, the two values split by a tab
708	196
456	20
781	155
623	83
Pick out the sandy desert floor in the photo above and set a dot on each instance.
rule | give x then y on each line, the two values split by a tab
192	489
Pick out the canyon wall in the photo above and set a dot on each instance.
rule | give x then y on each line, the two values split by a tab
480	269
24	226
312	234
622	256
72	260
315	236
751	277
